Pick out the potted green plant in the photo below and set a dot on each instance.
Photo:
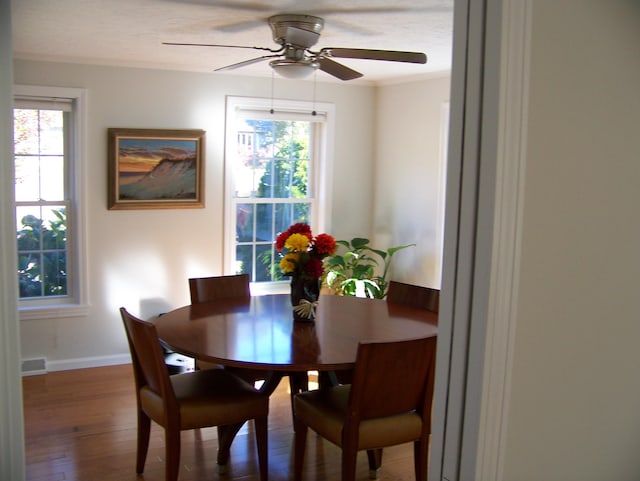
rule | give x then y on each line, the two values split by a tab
354	268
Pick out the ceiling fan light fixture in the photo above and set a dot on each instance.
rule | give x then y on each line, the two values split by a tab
294	69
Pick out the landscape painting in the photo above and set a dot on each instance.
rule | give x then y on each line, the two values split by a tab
155	169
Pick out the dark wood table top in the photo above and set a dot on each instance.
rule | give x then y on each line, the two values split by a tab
259	332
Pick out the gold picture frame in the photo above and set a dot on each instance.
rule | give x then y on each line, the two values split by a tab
155	168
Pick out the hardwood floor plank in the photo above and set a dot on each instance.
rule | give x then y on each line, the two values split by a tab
80	425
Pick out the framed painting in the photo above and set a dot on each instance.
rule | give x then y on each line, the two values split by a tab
155	169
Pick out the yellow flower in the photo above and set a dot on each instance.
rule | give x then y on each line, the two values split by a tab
288	263
297	243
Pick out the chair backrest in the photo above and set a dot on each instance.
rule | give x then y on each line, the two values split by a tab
205	289
147	357
416	296
393	378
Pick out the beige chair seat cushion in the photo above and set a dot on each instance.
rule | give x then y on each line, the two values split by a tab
212	397
325	411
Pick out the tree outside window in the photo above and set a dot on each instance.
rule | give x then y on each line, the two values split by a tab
271	190
41	202
278	160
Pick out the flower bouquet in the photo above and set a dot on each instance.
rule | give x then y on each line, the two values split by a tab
302	256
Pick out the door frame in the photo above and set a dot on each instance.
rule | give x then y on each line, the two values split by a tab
485	172
476	334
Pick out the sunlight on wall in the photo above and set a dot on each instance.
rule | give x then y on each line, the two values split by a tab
138	293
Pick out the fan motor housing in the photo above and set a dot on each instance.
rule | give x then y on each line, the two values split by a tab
280	24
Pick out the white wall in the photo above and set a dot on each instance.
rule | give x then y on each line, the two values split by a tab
574	412
11	413
142	259
408	183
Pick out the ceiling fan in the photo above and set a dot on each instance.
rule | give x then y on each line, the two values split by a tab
296	34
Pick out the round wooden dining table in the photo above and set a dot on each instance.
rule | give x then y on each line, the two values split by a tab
258	332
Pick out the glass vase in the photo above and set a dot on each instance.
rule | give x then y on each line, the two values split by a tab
304	297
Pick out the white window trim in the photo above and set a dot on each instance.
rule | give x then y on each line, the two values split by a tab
321	217
79	306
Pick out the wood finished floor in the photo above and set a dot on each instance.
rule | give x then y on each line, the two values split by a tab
80	425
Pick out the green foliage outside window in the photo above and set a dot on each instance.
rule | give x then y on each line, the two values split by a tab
42	259
280	156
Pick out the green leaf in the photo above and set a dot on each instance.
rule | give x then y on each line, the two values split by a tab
373	290
382	254
335	261
363	271
359	242
393	250
349	287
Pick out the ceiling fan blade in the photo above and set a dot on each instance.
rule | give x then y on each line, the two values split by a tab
244	63
363	53
225	46
337	69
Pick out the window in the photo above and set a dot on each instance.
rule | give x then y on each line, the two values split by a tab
48	211
277	166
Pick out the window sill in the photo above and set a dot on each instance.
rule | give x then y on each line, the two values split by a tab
53	312
265	288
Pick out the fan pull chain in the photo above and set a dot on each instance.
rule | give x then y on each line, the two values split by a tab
272	89
315	76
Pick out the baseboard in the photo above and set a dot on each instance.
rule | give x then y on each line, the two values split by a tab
32	367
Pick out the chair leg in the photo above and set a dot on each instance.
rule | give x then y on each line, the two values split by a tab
172	453
144	429
375	462
262	442
300	444
349	455
421	459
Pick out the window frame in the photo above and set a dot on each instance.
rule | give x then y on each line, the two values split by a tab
319	175
74	304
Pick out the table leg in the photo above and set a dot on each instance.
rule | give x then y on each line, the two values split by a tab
271	382
298	382
327	379
226	434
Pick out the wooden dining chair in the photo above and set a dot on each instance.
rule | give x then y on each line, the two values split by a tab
406	294
213	397
205	289
388	403
415	296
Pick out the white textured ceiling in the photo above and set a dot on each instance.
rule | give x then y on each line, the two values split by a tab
131	32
